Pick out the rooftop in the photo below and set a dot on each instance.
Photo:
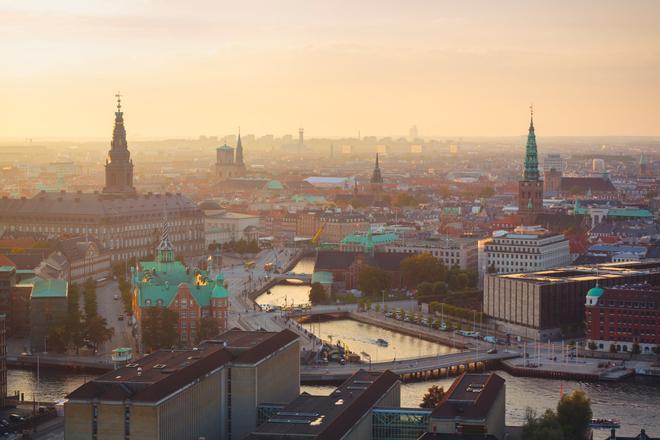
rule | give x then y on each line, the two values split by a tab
329	417
163	372
49	288
470	396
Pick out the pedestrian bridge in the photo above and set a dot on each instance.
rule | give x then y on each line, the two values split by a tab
304	277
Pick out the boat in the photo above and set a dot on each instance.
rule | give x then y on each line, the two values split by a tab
268	292
604	423
382	342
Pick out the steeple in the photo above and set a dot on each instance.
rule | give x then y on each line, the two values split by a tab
239	150
531	172
118	165
376	177
165	249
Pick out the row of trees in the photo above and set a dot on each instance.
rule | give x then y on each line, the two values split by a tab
78	329
160	328
457	312
242	246
425	268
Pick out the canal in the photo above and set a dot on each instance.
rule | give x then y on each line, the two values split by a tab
633	401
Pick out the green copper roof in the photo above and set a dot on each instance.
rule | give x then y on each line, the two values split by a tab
158	283
274	184
322	277
531	172
628	212
219	290
374	239
49	289
6	268
595	292
309	199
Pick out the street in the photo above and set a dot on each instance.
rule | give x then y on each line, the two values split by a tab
110	309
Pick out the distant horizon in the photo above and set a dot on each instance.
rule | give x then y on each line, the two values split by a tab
331	67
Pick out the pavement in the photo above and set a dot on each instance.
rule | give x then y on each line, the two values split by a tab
110	309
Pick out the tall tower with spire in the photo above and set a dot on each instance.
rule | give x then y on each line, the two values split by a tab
118	165
377	181
239	151
530	187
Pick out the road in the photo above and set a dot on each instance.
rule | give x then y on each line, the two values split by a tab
51	430
110	309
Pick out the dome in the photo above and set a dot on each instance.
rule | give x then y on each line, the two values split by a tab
595	292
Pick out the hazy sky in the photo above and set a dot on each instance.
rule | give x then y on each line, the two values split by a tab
334	67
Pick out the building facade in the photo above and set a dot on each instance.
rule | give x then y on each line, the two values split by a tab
541	304
48	305
461	252
211	391
526	249
124	222
619	317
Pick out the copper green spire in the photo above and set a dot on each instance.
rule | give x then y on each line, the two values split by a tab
531	172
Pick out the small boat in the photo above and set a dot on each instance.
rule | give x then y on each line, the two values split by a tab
382	342
604	423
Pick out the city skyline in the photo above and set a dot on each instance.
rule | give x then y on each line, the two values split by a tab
340	69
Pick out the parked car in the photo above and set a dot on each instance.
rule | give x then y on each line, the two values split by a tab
16	418
492	351
120	317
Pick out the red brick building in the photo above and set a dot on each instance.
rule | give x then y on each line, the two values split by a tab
622	316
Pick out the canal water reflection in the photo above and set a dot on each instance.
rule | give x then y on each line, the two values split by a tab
362	338
283	295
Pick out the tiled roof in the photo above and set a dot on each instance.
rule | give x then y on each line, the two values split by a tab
462	399
585	184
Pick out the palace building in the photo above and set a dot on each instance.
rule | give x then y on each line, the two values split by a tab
124	222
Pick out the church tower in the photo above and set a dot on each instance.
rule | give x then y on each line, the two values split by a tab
118	165
377	181
530	188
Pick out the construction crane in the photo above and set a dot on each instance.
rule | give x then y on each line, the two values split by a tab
316	239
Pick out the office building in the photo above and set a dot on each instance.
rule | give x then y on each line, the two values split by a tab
553	161
526	249
347	413
540	304
473	407
619	317
211	391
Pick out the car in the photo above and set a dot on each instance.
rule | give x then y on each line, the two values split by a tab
16	418
492	351
116	297
120	317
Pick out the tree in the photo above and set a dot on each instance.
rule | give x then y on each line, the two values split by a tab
89	294
208	328
159	328
433	397
613	348
574	414
422	267
317	294
98	331
592	345
57	339
545	427
372	280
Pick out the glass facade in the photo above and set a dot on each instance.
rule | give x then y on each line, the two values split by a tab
400	423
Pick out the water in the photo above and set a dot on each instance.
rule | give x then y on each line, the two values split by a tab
634	402
360	337
53	384
283	295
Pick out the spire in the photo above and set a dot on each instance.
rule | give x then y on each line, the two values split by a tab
531	172
165	249
376	177
119	166
239	149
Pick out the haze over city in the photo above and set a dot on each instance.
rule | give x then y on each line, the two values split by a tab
335	68
367	220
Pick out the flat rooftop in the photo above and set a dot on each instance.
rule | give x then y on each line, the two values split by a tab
586	272
163	372
329	417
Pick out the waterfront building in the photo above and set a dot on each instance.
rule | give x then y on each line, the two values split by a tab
48	305
540	304
211	391
461	252
7	282
229	162
619	317
124	222
368	242
530	187
473	406
349	412
526	249
191	293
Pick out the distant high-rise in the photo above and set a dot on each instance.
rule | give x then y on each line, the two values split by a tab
645	169
118	165
553	161
598	166
414	133
301	137
530	188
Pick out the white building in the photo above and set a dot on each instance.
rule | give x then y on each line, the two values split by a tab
526	249
222	227
553	161
461	252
